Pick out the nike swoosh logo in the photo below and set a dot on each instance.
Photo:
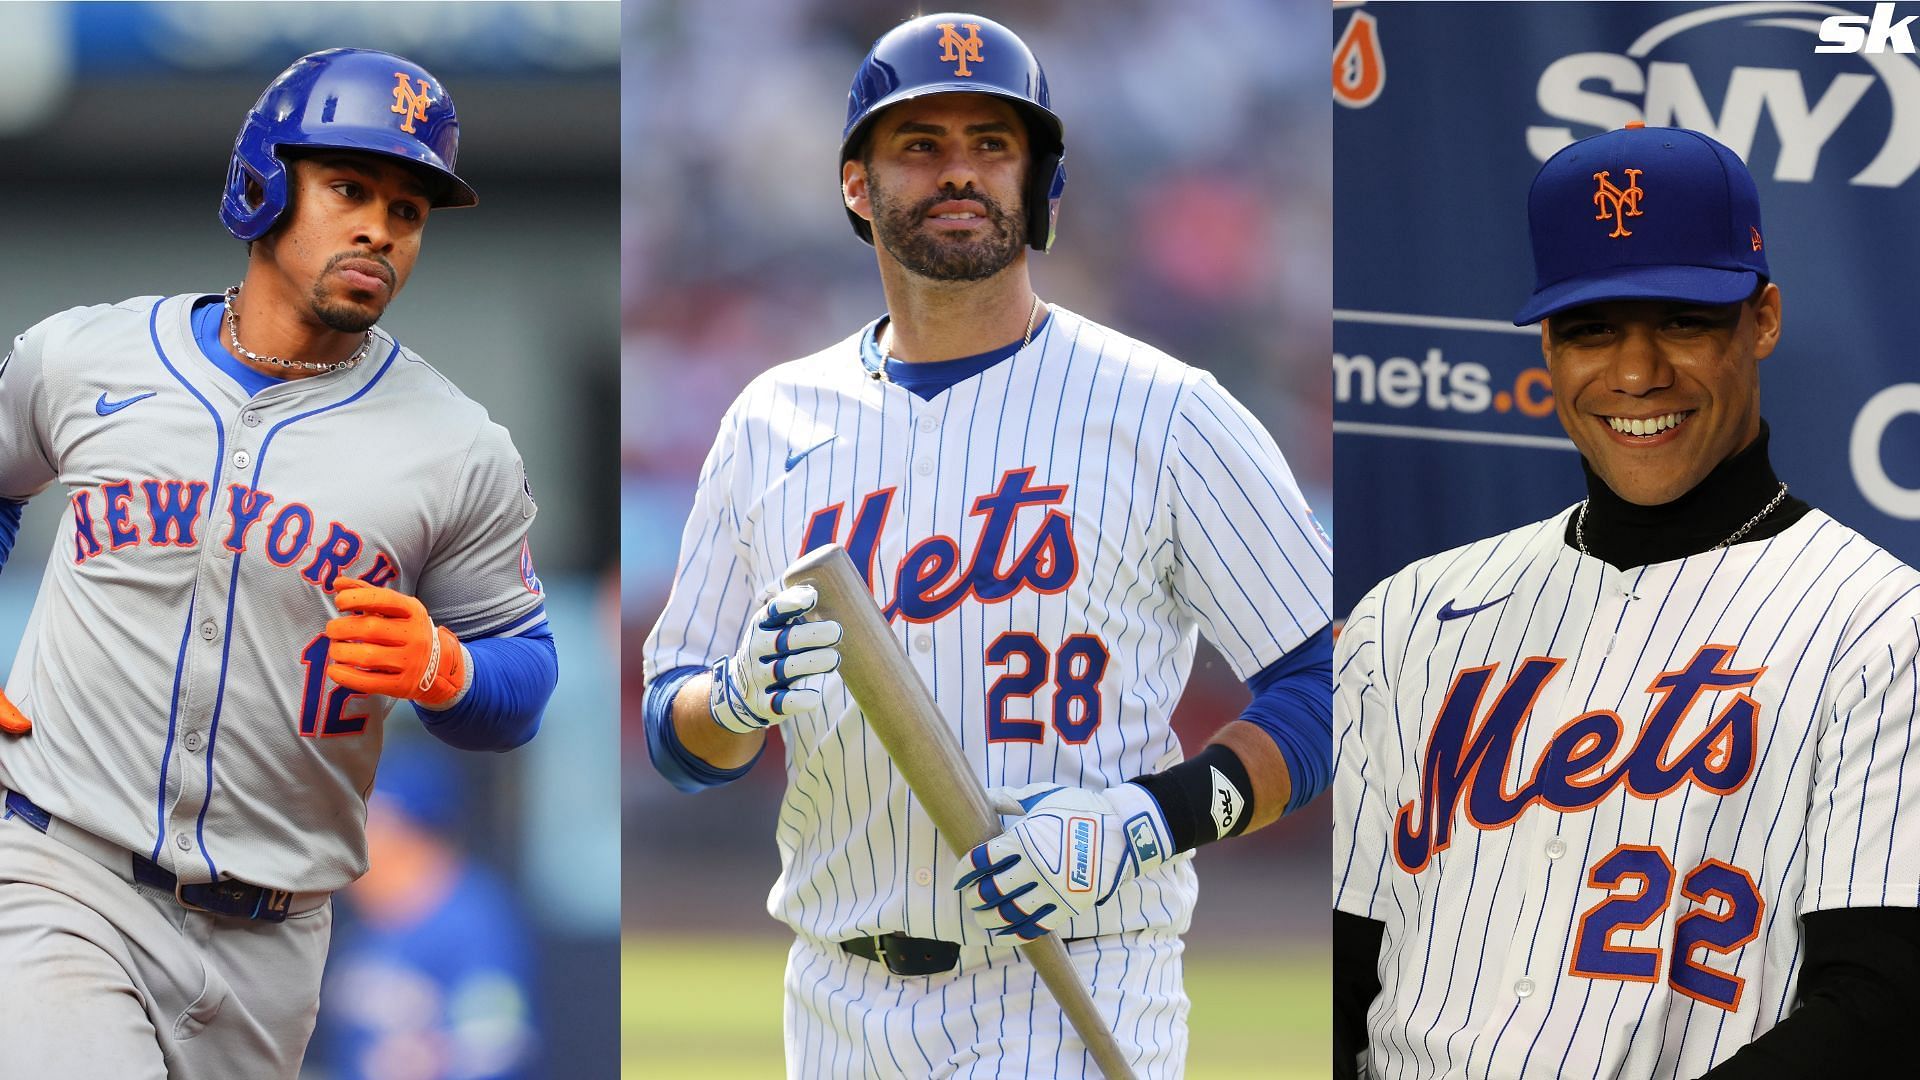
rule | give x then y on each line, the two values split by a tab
1448	611
108	408
794	459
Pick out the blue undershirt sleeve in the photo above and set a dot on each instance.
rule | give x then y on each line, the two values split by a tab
9	526
512	679
673	760
1293	703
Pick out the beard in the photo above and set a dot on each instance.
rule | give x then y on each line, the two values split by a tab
348	318
903	232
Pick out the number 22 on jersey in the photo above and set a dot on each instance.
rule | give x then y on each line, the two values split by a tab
1649	872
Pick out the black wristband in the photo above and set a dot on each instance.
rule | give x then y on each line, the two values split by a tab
1205	798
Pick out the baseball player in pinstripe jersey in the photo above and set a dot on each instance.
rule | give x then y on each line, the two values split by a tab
1047	512
1624	793
280	522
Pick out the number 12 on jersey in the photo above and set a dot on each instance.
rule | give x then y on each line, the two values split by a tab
323	712
1648	870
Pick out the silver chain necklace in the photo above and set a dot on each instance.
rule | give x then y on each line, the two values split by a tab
233	334
1580	523
1026	339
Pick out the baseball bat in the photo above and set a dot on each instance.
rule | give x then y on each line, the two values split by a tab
903	716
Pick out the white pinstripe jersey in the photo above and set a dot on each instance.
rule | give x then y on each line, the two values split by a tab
1590	804
1047	537
174	662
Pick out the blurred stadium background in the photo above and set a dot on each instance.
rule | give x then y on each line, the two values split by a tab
1196	217
116	121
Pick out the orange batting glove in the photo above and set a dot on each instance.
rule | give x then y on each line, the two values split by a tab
384	643
12	721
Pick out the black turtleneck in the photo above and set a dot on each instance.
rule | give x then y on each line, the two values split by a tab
1860	982
1626	534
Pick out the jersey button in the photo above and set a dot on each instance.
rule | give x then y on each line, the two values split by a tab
924	467
183	842
250	418
1556	847
1523	988
924	643
209	630
242	459
193	741
923	877
928	423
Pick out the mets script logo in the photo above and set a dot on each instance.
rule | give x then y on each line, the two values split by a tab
958	50
411	104
1470	756
934	577
1617	204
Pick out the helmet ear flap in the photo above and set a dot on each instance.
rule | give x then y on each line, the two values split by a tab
256	192
1045	184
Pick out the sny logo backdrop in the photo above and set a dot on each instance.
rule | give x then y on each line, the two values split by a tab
1444	423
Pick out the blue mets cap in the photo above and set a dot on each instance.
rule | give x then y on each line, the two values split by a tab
1643	214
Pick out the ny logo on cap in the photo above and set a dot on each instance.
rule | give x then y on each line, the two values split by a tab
959	50
409	103
1617	204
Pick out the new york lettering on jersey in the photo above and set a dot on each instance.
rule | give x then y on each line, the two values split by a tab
172	511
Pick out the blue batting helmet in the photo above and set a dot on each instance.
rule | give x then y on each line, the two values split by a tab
346	99
963	54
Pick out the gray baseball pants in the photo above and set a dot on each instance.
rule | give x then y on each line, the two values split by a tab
100	977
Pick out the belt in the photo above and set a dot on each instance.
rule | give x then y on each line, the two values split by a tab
235	899
905	955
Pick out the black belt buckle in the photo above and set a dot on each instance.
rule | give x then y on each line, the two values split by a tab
236	899
905	955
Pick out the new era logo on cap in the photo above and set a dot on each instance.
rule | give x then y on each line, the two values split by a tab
1643	214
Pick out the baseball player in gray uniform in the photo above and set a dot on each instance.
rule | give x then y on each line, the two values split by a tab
279	522
1622	793
1049	512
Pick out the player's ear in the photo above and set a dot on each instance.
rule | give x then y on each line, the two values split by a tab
1546	351
853	188
1766	317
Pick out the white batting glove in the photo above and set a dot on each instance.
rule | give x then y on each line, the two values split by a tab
1069	851
753	689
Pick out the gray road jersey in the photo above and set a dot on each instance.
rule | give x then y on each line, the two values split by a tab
174	663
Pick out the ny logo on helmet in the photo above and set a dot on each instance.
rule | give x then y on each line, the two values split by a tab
409	103
1617	204
960	50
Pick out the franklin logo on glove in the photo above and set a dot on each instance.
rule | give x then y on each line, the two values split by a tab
1086	847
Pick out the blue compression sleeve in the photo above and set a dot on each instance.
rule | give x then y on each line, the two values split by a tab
674	761
9	527
1293	703
512	679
